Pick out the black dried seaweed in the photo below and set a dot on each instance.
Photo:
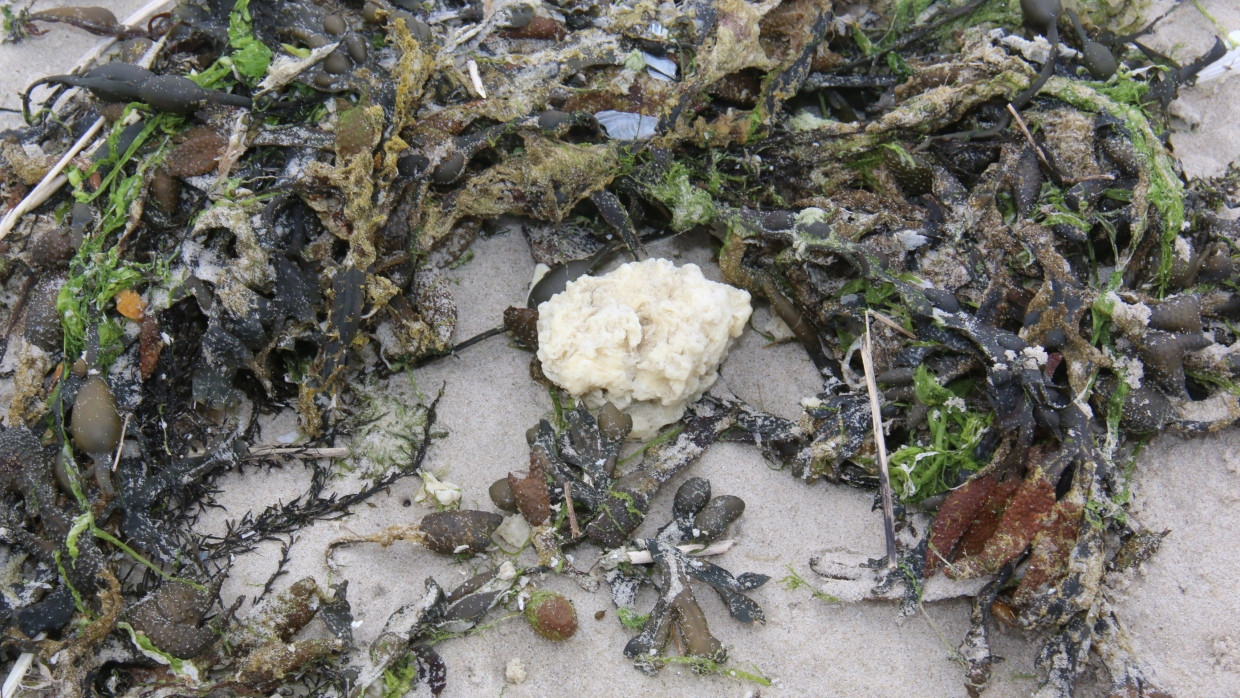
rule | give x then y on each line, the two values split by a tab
337	613
627	499
581	463
677	607
1058	285
279	520
286	549
975	648
409	633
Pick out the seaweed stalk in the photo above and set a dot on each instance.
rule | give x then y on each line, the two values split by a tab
884	480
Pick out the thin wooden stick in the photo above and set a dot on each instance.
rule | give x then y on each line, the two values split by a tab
476	78
1091	178
121	446
297	451
884	479
892	324
52	181
572	514
643	557
13	681
1029	137
1042	156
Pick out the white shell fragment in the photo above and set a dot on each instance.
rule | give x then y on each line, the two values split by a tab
513	533
1228	64
659	67
515	672
626	126
445	494
648	337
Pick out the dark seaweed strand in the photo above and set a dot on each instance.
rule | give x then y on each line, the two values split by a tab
283	519
281	569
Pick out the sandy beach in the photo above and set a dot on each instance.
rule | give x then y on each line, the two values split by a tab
1181	610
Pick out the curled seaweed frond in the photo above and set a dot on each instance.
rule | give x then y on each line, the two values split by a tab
697	519
677	607
580	464
411	631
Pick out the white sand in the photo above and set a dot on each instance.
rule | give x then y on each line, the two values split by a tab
1182	610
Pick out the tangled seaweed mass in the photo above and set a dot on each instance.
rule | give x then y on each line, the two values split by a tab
251	209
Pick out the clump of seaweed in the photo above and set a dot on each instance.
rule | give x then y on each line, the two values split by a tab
698	520
576	469
256	203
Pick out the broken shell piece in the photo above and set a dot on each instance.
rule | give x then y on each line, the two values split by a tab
445	494
1224	66
660	67
627	126
514	533
514	673
649	337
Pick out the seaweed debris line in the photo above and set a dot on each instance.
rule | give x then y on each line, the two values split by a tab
242	235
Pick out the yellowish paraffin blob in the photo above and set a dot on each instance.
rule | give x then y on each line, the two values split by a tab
648	337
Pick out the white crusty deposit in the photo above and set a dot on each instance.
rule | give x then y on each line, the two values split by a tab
649	337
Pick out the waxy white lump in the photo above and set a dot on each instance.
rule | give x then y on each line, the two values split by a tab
649	337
